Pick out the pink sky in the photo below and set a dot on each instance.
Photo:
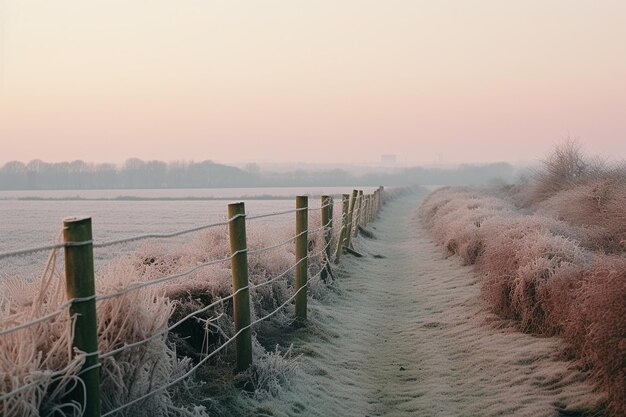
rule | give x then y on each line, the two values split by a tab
311	81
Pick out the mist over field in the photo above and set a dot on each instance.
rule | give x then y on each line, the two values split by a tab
135	173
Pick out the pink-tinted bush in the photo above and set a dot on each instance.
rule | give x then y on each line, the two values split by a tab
587	193
597	325
598	208
564	168
535	270
456	220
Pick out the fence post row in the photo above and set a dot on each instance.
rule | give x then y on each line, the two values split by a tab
80	280
302	240
80	285
239	269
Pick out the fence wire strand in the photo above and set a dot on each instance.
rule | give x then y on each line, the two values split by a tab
208	356
30	251
49	316
213	304
99	245
165	235
136	287
166	278
63	307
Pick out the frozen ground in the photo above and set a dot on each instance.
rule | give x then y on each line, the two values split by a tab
405	334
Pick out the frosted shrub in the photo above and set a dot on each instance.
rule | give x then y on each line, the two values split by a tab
586	193
535	269
270	370
598	208
540	257
564	168
597	325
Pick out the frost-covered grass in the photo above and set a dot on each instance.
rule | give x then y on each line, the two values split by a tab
551	255
40	352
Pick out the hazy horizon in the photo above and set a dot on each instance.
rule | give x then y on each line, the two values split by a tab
320	82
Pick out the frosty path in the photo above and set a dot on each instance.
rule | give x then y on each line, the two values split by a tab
406	335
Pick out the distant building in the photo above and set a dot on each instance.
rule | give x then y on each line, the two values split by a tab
388	159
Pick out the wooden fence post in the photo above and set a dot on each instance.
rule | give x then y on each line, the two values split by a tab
239	269
345	203
359	216
80	284
302	268
362	206
355	194
327	224
331	210
375	204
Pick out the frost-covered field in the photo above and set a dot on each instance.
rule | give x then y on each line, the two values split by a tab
35	221
36	362
146	337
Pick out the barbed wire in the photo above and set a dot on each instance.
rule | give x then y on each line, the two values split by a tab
170	328
320	207
49	316
66	369
269	248
166	278
264	283
208	356
138	286
99	245
29	251
135	287
277	213
53	374
165	235
213	304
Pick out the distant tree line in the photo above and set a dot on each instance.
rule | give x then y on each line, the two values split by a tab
135	173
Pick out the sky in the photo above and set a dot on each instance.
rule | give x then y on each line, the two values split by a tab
319	81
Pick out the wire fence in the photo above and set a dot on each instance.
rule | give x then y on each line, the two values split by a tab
359	211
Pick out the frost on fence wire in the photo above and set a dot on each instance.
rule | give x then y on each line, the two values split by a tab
71	372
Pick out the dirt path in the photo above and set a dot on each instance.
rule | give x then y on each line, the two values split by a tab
406	335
